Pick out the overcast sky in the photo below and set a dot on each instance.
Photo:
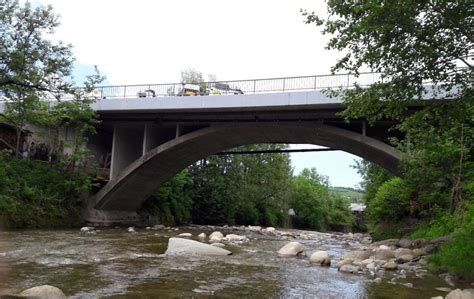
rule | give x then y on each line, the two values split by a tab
144	41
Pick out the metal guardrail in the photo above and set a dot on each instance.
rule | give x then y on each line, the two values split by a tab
253	86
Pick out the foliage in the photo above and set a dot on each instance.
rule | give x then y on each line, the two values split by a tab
33	195
315	207
31	66
391	202
172	203
373	176
242	189
408	42
458	256
34	68
191	75
352	194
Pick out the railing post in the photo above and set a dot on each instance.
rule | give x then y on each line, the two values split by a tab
254	82
348	77
284	80
124	91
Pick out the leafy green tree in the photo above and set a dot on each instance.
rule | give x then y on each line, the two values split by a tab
412	43
242	189
33	68
315	206
192	76
172	203
31	65
408	42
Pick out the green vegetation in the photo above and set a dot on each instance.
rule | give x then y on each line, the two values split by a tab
34	68
403	42
251	190
33	195
348	193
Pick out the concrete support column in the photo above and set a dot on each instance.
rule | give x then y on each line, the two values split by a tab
151	137
127	146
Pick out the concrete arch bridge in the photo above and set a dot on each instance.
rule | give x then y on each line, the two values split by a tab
151	138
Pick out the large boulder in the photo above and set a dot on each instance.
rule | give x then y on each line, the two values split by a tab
179	246
388	242
321	258
403	251
461	294
349	269
216	237
358	255
270	229
44	292
345	261
405	243
390	266
235	238
384	254
404	258
292	249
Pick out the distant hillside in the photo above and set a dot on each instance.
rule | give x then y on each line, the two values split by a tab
349	193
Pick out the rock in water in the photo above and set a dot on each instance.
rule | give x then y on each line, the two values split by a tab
390	266
131	229
461	294
270	229
202	236
179	246
216	237
292	249
384	254
320	257
44	292
185	235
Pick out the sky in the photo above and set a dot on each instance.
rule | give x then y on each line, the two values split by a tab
144	41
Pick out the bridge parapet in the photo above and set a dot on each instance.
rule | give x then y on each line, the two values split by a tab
252	86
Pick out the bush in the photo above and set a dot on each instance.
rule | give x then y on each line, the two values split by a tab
458	256
391	202
34	195
172	203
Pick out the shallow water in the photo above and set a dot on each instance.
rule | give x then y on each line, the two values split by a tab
117	264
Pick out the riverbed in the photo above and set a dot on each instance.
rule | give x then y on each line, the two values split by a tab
114	263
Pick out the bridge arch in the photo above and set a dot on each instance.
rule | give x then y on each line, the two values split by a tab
128	191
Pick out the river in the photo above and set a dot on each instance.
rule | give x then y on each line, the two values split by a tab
114	263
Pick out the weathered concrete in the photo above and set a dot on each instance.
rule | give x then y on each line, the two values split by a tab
129	189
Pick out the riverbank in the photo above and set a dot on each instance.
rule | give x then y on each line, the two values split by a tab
118	263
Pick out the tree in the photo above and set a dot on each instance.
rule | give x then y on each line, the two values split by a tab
31	66
412	43
408	42
192	76
34	68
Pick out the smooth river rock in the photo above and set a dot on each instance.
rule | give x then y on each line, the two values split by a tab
179	246
384	254
44	292
390	266
235	238
461	294
292	249
202	236
345	261
403	251
349	269
216	237
321	258
185	235
358	255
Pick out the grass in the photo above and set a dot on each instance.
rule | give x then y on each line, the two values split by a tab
348	193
